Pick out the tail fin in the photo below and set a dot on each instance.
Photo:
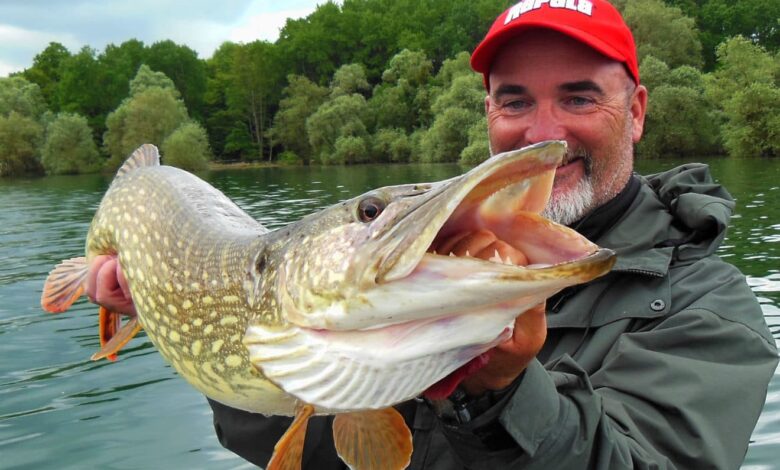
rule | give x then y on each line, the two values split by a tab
64	285
144	156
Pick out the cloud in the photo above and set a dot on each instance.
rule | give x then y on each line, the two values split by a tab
28	26
264	26
18	46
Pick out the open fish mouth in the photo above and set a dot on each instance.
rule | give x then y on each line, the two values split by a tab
426	312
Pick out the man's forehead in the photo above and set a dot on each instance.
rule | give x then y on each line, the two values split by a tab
565	60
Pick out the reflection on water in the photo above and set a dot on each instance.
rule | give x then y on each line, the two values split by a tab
59	408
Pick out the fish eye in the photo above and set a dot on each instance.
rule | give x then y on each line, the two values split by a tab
369	208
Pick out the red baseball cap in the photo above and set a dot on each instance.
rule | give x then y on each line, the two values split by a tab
595	23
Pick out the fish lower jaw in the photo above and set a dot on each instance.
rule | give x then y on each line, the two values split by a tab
369	369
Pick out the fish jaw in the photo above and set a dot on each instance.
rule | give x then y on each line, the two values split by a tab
334	262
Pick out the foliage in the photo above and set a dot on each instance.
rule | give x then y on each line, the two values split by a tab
68	147
663	32
147	78
46	70
147	117
719	20
289	157
680	120
456	109
389	80
342	116
180	64
753	128
187	147
392	145
21	96
349	79
20	138
745	86
478	149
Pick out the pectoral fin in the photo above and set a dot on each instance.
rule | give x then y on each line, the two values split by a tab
373	439
288	452
111	340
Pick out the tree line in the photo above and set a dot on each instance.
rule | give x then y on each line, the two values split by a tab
375	81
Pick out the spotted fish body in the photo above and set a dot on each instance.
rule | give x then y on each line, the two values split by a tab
186	250
349	310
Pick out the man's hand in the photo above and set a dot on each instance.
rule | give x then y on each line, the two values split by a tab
107	286
509	359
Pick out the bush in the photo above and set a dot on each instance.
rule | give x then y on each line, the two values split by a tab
289	157
478	149
20	137
69	148
350	149
392	145
187	147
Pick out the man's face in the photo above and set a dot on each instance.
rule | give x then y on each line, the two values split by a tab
545	86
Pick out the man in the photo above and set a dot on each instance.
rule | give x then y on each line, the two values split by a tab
663	363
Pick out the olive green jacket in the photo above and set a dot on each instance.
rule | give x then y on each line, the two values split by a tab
663	363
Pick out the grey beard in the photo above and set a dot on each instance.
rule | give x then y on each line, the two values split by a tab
570	207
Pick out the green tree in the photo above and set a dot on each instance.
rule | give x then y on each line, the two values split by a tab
301	99
149	115
187	147
46	70
741	63
182	65
223	122
343	116
663	32
680	120
719	20
119	64
753	126
478	148
252	88
745	86
68	147
21	96
147	78
80	89
459	104
401	100
392	145
20	138
349	79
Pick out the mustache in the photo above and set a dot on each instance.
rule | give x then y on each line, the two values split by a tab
580	152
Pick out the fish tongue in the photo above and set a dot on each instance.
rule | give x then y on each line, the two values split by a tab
444	387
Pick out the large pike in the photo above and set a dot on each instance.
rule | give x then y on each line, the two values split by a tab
347	311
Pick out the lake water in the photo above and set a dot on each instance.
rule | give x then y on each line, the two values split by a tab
59	409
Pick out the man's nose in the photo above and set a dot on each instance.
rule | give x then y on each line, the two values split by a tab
545	125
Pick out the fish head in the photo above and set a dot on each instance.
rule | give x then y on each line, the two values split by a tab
363	262
372	314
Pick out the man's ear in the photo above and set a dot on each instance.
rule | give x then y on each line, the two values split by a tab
638	109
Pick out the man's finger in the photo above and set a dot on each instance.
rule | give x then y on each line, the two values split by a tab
94	269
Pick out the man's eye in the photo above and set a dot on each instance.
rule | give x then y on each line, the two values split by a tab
516	105
580	101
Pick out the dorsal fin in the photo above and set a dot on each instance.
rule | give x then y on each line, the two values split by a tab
144	156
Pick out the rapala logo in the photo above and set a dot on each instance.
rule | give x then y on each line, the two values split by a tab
582	6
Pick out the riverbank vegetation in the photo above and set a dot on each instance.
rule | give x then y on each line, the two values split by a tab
375	81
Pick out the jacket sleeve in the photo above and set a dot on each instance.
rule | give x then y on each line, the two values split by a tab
252	436
683	391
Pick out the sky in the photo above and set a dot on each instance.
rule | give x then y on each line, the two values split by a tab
28	26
